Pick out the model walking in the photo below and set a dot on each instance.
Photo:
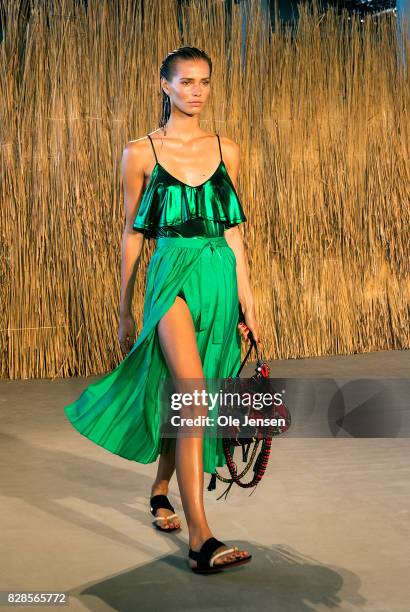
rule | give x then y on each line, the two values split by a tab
178	188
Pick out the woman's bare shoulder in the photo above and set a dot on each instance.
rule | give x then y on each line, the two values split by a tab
137	151
137	145
230	151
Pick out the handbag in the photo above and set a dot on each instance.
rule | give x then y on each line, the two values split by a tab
258	435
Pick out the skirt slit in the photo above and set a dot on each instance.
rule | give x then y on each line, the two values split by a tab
121	411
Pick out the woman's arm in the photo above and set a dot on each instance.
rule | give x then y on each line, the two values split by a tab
234	238
132	241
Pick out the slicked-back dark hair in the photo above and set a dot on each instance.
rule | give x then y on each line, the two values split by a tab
167	71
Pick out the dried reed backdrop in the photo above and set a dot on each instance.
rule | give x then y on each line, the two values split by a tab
322	119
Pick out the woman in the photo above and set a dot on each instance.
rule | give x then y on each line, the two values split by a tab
174	191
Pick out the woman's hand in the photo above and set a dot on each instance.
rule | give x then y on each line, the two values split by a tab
249	325
126	333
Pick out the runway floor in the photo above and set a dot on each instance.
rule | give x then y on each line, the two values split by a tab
328	526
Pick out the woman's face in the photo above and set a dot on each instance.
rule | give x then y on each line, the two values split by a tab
190	85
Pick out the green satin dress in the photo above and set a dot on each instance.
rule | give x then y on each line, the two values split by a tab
121	411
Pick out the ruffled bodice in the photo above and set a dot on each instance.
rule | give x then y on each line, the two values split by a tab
170	207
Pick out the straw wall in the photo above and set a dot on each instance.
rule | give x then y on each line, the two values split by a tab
322	117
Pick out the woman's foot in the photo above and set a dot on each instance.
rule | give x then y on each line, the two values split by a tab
221	559
171	523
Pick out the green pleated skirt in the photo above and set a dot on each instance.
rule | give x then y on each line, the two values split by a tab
121	411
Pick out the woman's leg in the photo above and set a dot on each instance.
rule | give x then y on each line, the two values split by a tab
166	468
178	342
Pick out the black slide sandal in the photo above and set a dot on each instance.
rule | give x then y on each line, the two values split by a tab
205	558
162	501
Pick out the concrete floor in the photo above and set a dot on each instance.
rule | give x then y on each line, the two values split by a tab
328	526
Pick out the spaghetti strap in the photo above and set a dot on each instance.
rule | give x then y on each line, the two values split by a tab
220	151
153	148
